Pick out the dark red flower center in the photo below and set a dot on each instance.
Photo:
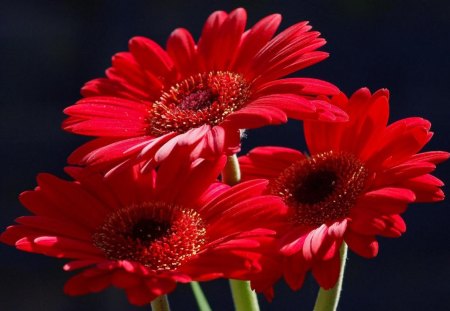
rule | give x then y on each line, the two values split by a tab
157	235
315	187
201	99
148	230
322	188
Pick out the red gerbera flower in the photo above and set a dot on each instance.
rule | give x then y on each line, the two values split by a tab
358	179
199	94
145	233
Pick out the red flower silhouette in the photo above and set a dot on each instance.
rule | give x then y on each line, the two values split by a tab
201	94
145	233
357	180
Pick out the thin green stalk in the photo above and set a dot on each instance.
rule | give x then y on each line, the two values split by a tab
161	303
200	297
327	300
244	297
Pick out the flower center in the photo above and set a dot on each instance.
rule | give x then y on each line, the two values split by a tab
315	187
200	99
322	188
148	230
157	235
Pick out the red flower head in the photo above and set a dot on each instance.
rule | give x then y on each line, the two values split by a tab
353	187
145	233
199	94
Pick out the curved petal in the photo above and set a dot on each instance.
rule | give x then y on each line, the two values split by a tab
181	48
298	86
151	57
254	39
220	38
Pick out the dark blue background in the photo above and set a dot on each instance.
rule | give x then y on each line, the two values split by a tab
49	49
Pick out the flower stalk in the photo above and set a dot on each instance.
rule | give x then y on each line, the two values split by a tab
244	297
160	303
200	297
327	300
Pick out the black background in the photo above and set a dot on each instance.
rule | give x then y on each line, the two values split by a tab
48	49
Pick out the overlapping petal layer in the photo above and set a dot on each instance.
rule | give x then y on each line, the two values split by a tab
359	177
146	232
199	94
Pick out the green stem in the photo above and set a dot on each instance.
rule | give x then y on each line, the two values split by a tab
160	303
327	300
202	302
244	297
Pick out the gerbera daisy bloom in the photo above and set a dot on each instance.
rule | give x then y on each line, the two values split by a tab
357	180
199	94
145	233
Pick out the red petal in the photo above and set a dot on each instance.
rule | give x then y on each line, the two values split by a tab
426	188
404	171
298	86
151	56
292	240
365	246
267	162
401	140
248	117
254	39
104	151
395	226
295	269
235	195
181	48
389	194
210	29
227	39
287	52
52	226
434	157
70	201
78	264
327	272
